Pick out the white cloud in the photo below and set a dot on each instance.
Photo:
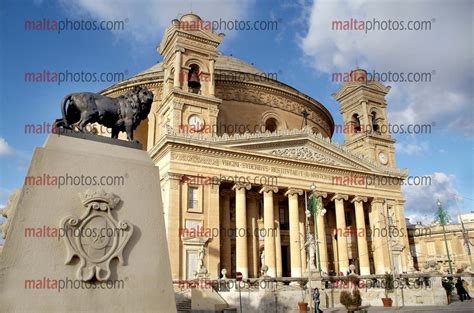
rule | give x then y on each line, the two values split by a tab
5	148
421	200
148	19
411	148
445	51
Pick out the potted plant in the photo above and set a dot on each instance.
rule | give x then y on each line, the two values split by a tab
448	286
388	287
351	300
302	305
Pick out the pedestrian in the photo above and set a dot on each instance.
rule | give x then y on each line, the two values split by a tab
459	289
465	285
316	300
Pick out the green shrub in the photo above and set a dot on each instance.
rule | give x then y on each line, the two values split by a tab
348	299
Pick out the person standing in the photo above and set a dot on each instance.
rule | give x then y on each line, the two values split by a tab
316	300
465	285
460	289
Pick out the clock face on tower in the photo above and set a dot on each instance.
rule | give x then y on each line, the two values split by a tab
196	122
383	158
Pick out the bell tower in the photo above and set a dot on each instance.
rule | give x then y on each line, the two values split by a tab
189	49
365	125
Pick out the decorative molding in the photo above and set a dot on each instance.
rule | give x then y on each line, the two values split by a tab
273	98
305	153
325	142
96	237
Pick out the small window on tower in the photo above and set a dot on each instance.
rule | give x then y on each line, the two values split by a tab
194	83
375	125
356	123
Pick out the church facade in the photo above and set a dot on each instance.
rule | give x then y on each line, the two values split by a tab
241	157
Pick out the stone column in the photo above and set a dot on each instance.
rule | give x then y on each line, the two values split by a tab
380	248
224	236
212	82
341	226
173	211
295	254
276	215
302	238
269	226
241	255
213	222
323	247
403	234
177	68
252	238
364	264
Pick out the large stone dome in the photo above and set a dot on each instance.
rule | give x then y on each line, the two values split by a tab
249	96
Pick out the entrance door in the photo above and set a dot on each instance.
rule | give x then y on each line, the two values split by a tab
285	261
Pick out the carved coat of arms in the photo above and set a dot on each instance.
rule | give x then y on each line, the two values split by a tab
96	237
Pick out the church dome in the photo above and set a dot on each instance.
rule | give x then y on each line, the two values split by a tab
249	91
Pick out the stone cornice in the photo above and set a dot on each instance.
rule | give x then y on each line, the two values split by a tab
325	143
212	157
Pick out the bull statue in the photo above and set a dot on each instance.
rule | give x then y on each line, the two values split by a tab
123	113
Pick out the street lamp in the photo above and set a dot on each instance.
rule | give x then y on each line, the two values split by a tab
314	209
442	218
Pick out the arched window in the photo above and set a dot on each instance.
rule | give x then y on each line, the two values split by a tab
194	83
271	125
356	122
375	125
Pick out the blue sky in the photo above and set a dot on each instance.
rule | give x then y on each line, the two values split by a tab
304	51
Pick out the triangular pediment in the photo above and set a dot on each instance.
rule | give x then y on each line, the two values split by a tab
299	144
350	87
303	145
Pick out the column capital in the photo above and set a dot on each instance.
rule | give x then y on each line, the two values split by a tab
292	191
179	49
359	199
378	201
320	194
265	189
239	186
339	196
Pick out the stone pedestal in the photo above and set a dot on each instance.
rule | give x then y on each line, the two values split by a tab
91	244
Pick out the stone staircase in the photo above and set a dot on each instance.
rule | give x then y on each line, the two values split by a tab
183	301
